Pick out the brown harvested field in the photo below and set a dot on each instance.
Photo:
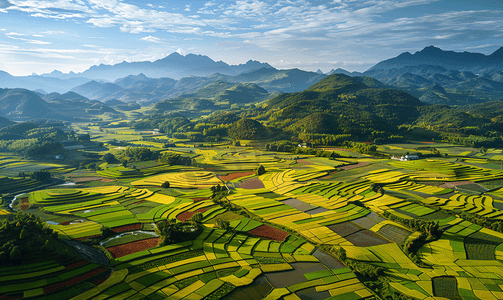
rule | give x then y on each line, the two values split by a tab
251	184
305	162
86	179
365	222
394	233
200	198
300	205
286	278
130	248
328	260
344	229
451	185
127	228
358	165
186	215
24	204
107	180
366	238
232	176
269	232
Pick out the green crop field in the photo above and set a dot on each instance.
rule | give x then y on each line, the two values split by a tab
261	235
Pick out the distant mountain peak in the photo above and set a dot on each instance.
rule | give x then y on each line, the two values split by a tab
450	60
498	53
319	71
430	49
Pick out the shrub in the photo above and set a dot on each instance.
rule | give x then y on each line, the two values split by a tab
165	184
15	254
260	170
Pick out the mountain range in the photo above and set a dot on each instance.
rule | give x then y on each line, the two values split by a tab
22	104
442	77
144	90
433	75
174	66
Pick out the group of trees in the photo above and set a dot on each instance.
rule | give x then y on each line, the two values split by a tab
364	269
172	159
24	236
171	231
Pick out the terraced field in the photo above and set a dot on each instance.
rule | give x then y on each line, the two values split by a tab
279	223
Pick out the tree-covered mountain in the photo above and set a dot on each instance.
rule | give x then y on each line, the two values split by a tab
145	90
442	77
342	104
215	96
22	104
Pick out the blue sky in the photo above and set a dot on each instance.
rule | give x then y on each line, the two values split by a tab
72	35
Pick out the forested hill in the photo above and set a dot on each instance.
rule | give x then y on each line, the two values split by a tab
342	104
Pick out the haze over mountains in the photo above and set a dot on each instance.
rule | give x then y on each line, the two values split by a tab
433	75
442	77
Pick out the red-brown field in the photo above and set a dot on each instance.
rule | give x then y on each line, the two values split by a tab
305	162
451	185
200	199
86	179
269	232
188	214
133	247
358	165
24	204
127	228
251	184
232	176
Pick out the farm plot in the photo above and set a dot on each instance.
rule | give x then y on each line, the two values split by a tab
447	287
482	246
394	233
185	180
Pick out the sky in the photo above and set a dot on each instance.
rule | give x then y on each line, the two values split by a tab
39	36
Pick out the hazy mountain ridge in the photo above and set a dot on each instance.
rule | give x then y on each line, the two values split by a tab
145	90
22	104
464	78
450	60
174	66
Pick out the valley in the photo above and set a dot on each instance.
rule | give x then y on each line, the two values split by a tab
267	184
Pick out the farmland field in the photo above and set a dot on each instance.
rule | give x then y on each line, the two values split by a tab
274	235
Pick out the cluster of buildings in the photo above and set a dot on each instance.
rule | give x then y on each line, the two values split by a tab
406	157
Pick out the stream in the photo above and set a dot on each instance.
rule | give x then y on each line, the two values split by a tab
14	199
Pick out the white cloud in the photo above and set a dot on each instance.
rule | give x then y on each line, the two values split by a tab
180	51
3	29
15	34
187	7
54	32
28	40
151	39
37	35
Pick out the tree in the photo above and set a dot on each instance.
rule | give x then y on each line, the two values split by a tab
165	184
223	224
42	175
260	170
24	234
109	158
15	254
197	217
124	163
